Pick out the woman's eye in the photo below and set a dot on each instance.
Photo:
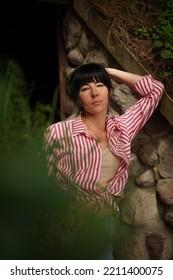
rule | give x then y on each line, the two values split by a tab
99	85
84	89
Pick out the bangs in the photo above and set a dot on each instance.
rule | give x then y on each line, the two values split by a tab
90	77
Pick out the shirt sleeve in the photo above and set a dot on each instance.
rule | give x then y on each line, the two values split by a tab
49	147
57	144
136	116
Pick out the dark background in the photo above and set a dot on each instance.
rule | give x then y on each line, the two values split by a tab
28	34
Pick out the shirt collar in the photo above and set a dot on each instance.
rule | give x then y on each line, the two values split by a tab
111	124
78	125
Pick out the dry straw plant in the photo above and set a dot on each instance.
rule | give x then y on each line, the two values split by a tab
145	28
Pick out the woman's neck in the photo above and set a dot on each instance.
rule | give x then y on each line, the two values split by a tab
96	126
94	122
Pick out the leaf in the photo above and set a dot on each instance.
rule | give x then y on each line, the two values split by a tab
167	54
158	43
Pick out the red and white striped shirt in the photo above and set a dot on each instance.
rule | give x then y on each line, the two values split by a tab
77	156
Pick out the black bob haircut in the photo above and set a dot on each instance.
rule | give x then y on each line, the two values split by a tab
87	73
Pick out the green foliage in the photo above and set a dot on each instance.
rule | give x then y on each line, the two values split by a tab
38	220
18	123
162	31
14	110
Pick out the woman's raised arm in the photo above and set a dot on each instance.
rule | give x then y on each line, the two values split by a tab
123	77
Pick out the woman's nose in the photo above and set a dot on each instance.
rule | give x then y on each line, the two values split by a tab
94	92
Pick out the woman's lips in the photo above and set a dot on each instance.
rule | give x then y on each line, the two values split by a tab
98	102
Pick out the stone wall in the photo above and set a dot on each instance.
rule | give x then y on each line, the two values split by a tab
148	198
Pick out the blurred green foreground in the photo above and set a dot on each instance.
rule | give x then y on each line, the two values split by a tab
36	219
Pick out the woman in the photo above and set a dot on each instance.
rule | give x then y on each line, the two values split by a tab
90	153
94	148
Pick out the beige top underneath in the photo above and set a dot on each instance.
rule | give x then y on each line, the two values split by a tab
109	167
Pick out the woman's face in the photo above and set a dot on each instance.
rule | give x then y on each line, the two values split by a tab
94	98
